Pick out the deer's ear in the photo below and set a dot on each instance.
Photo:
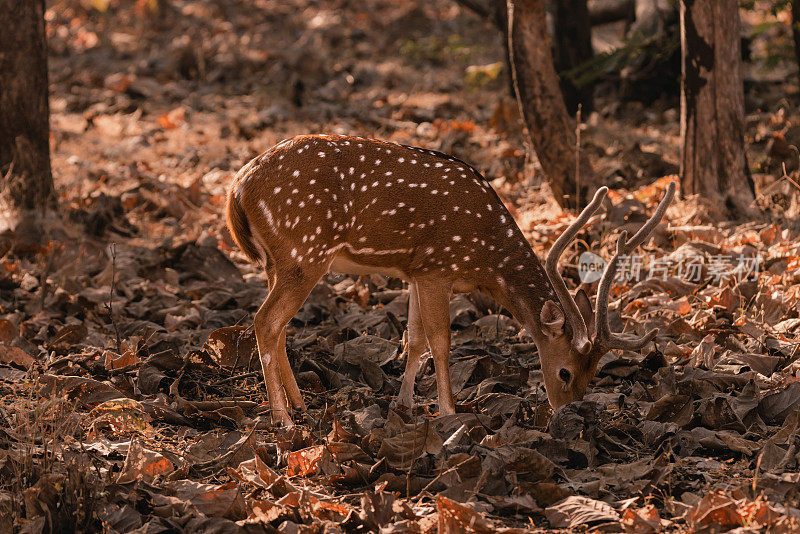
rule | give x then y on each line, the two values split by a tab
585	307
552	319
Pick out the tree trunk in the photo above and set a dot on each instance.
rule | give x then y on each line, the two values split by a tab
714	163
26	182
573	47
551	129
796	29
605	11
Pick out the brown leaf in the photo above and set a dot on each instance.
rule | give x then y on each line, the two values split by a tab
43	497
143	464
15	356
68	336
172	119
118	81
256	472
120	416
715	508
86	391
212	500
372	348
716	413
757	512
645	520
520	460
406	446
546	493
308	461
776	407
115	361
322	509
672	408
233	347
7	331
577	510
268	512
703	353
346	452
123	518
455	518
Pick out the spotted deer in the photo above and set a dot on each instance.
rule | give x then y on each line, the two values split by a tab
316	203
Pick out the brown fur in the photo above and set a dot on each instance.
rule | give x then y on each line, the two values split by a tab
240	228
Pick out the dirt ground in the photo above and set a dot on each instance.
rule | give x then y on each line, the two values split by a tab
132	399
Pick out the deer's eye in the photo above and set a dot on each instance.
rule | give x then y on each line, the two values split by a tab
564	375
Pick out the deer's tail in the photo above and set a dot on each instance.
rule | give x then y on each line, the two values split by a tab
239	227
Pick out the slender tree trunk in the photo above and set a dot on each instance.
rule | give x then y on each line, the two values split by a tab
551	129
796	29
26	182
495	12
714	163
573	47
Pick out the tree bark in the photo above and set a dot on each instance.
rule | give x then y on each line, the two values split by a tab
26	181
573	47
541	104
714	163
796	29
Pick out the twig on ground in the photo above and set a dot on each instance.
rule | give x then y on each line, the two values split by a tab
109	306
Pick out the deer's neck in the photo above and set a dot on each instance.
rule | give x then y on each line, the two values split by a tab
522	287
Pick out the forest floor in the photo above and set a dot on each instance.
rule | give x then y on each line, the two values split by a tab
132	399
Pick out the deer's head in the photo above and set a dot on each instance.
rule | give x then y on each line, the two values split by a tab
572	337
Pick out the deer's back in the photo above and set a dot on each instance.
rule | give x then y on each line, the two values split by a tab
376	207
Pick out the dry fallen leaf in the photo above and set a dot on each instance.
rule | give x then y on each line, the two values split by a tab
15	356
455	518
407	445
233	346
307	461
143	464
212	500
644	520
577	510
723	509
7	331
173	119
120	416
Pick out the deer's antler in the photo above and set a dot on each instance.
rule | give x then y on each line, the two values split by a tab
605	338
580	335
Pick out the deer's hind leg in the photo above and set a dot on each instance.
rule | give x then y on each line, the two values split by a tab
289	287
434	304
287	377
417	343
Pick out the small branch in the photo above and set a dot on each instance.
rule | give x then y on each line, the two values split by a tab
43	279
476	7
113	249
578	155
236	377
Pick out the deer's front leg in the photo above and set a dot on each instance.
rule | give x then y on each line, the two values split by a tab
434	307
414	349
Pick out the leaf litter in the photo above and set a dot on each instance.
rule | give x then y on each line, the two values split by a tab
132	397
